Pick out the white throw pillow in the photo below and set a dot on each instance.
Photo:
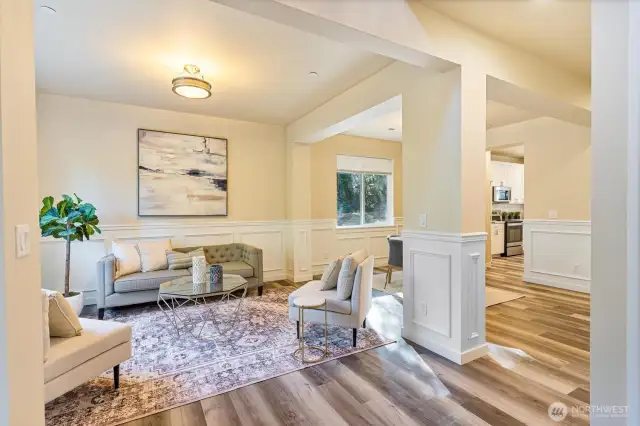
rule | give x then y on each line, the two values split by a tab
330	276
153	255
46	342
348	273
127	258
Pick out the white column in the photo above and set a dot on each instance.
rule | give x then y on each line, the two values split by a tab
299	211
615	141
443	150
21	371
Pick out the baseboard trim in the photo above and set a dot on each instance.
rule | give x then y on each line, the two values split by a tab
458	357
581	286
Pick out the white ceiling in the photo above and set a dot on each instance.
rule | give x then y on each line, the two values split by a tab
558	30
498	115
129	51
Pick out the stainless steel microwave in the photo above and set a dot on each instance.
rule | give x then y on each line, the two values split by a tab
501	194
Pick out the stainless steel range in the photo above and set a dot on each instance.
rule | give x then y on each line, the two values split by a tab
513	238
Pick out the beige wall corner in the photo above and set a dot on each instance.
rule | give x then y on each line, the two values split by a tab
21	370
558	172
298	181
323	170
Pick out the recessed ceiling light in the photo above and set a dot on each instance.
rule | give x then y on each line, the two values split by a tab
48	10
313	74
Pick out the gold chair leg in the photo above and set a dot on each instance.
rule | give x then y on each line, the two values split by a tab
388	278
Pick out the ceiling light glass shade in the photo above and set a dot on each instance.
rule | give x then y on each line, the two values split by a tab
190	84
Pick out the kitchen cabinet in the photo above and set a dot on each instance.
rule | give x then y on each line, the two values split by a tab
497	238
509	174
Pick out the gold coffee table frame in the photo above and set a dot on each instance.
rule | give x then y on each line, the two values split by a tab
310	302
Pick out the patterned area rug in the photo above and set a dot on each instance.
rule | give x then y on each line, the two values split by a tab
167	371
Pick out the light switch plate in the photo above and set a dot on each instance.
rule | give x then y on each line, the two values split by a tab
423	220
553	214
22	241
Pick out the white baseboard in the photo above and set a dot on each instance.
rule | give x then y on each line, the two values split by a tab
580	286
458	357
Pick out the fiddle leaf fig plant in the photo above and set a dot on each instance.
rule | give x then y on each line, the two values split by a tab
69	219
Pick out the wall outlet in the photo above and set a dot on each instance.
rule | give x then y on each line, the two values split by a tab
325	256
553	214
423	308
423	220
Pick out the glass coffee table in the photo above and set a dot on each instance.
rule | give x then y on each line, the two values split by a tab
175	295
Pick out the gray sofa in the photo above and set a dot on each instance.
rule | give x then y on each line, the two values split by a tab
142	287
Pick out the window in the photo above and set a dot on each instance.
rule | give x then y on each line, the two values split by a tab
364	191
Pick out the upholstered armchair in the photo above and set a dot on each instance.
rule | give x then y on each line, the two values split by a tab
351	313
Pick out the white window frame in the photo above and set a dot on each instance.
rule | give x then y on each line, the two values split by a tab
368	166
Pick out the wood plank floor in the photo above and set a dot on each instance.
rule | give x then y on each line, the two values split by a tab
539	354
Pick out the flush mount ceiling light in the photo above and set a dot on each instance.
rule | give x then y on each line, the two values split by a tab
190	84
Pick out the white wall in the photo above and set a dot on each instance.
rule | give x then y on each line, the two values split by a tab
91	148
615	297
102	169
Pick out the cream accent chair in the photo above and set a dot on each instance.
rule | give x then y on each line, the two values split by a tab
350	313
72	361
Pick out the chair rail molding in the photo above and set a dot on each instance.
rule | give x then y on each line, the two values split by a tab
557	253
444	298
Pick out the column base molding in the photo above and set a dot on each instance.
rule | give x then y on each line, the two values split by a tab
444	294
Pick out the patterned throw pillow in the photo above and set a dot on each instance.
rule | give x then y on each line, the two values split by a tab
330	276
348	273
178	260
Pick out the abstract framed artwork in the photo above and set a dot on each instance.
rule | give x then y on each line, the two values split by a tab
181	175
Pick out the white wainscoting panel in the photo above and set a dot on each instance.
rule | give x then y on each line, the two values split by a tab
294	250
431	287
443	287
269	236
557	253
328	242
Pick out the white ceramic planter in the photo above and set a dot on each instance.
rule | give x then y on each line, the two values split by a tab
77	302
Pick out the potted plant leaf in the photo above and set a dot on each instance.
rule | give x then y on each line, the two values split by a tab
70	220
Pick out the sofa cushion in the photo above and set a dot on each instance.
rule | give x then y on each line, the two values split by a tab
146	280
314	288
97	337
236	268
179	260
348	273
153	255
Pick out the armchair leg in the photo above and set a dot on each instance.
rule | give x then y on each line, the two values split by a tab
389	275
298	329
116	376
101	313
260	290
355	336
364	323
